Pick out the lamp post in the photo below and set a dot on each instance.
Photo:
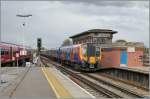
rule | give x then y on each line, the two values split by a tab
0	67
23	24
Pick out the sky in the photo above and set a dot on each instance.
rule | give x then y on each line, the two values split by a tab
55	21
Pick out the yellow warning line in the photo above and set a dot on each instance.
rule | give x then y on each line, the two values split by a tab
58	89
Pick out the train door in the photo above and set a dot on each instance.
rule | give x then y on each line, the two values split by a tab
123	57
10	52
2	55
91	54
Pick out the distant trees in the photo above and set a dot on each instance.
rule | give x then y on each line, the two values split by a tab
146	50
121	41
66	42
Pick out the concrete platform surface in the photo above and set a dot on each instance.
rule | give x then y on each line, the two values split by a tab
36	82
8	75
140	69
34	85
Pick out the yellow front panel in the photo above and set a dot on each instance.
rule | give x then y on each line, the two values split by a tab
92	60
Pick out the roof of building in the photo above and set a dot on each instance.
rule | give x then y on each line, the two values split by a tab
94	31
127	44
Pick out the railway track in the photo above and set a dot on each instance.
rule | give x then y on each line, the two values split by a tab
117	87
98	85
89	82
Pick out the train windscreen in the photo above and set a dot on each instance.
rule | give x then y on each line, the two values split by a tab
91	50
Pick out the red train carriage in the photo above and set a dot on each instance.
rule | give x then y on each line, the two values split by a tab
9	51
5	57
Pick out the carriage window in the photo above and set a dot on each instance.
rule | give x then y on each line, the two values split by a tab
6	52
2	52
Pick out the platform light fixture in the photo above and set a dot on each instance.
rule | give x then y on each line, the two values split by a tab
23	24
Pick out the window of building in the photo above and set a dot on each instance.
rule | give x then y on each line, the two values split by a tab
102	41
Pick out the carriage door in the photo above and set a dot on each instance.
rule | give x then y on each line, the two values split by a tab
123	57
10	52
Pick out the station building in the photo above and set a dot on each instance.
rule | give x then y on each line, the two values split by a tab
127	54
116	54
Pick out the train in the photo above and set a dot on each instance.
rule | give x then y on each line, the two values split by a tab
11	53
86	57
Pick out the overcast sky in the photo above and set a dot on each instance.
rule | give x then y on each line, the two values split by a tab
55	21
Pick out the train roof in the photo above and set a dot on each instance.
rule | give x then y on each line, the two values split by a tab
5	44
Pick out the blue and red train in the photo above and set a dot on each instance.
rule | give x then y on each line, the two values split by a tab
11	52
85	57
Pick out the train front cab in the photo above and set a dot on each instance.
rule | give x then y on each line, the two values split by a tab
91	55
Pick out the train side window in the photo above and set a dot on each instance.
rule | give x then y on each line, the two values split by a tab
2	52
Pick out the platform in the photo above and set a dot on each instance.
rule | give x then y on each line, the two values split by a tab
8	75
26	82
34	85
139	69
135	75
63	86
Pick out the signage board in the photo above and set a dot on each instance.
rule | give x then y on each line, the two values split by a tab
17	55
23	52
131	49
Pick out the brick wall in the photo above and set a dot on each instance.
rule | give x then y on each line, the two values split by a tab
133	58
111	57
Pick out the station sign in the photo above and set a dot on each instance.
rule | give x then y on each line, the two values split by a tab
131	49
23	52
17	55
